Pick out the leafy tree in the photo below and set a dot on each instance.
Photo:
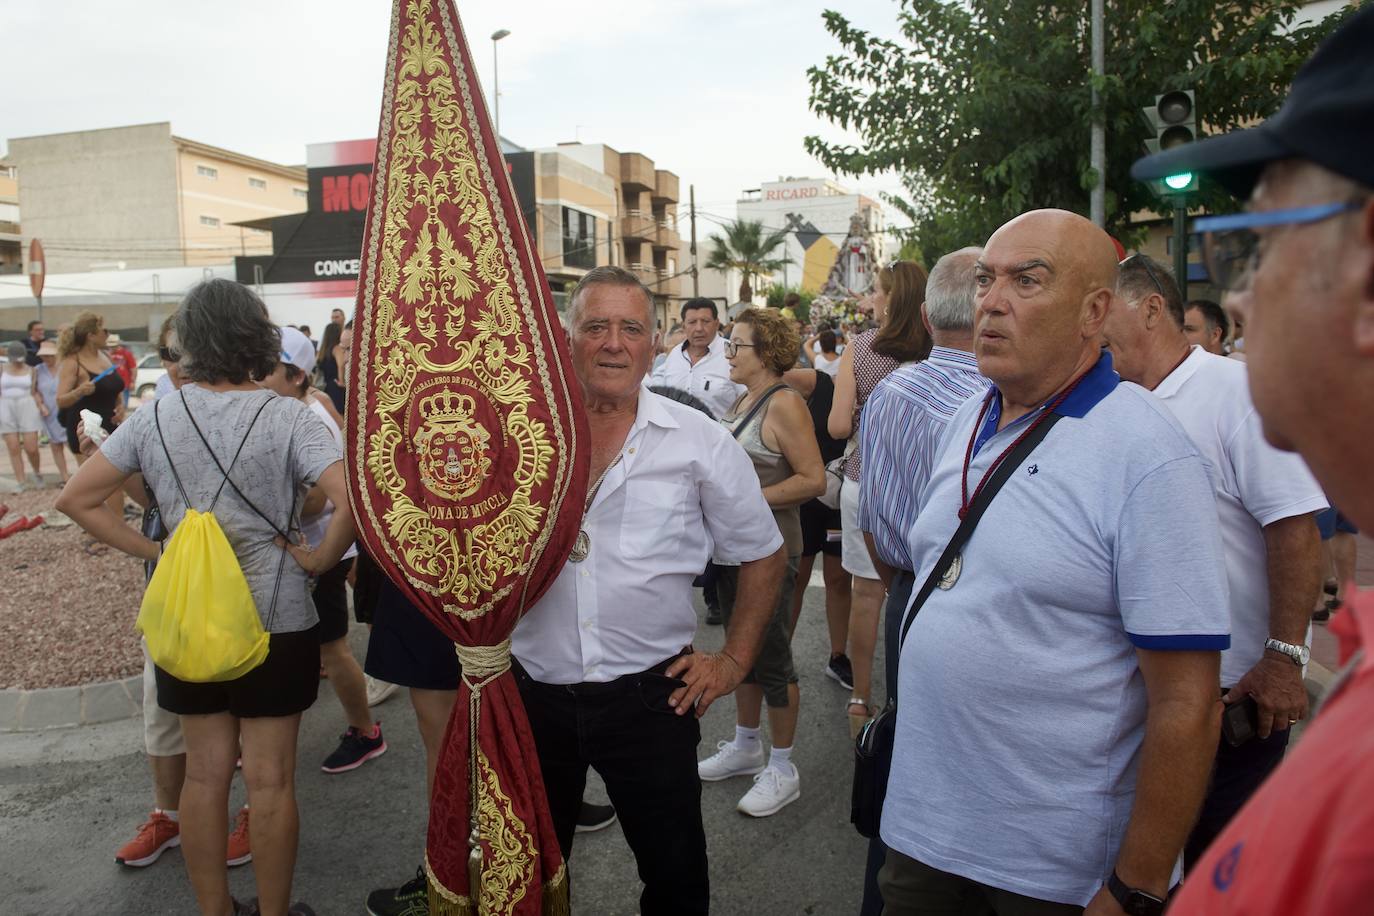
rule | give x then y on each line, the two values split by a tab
746	247
777	292
984	106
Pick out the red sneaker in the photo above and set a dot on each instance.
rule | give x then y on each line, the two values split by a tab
239	851
155	837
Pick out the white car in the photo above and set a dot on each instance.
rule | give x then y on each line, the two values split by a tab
149	371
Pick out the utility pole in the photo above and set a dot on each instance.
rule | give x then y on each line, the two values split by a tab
1181	243
692	205
1098	150
496	83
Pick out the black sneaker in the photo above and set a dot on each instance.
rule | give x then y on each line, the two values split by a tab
713	615
410	899
594	817
841	670
354	750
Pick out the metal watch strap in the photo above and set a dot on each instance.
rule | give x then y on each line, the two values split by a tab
1293	652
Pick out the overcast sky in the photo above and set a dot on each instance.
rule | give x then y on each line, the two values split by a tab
714	90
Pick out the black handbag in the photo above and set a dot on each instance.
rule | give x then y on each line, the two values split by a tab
873	746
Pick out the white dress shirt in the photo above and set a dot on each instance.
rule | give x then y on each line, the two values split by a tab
708	379
1255	485
683	489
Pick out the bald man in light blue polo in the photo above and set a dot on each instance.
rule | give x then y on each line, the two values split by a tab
1057	703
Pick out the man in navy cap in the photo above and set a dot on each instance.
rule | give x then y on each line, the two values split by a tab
1299	266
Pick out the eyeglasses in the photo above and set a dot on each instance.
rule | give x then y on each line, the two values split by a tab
168	355
1144	262
1231	247
732	348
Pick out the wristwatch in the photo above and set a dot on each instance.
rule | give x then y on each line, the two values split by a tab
1134	902
1299	654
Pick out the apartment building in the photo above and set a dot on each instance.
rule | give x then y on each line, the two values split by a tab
11	258
589	204
142	197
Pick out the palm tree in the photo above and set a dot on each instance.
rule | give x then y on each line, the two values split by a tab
748	249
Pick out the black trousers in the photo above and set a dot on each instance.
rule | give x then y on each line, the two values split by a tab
1236	775
893	612
647	756
912	888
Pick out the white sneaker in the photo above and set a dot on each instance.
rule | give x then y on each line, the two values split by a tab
773	790
729	760
378	691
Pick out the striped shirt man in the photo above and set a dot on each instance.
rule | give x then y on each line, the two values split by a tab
902	423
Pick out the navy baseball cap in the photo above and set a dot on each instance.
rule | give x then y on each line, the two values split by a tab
1328	119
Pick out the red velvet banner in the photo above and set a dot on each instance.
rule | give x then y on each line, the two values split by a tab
466	443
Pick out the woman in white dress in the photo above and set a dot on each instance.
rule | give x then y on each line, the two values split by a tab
20	420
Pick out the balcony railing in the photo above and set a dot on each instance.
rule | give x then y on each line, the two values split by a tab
637	172
666	236
637	225
665	186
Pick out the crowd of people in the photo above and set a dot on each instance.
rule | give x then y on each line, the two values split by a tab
1084	514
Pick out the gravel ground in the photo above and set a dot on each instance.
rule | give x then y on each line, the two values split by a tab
67	604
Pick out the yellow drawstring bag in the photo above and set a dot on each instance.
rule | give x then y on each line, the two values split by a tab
198	614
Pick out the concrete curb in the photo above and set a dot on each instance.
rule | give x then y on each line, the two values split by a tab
67	707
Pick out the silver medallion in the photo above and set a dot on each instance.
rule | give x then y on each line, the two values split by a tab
951	575
582	546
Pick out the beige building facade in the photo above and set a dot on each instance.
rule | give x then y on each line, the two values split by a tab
139	197
589	205
11	260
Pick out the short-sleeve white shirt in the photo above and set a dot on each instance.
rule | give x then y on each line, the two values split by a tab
708	379
1255	485
1021	707
682	490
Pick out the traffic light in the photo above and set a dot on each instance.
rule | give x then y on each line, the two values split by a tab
1172	119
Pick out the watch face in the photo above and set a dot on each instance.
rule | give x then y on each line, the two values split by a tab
1304	653
1139	903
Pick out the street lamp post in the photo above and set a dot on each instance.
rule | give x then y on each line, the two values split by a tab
496	79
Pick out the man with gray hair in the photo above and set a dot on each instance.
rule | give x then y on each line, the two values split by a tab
902	423
604	660
1265	503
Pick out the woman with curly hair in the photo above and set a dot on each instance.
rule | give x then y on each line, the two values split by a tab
222	444
773	424
900	337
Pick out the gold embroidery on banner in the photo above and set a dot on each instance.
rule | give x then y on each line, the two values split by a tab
509	858
438	180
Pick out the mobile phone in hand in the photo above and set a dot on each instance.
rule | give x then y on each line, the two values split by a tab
1240	722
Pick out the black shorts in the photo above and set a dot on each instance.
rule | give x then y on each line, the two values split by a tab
283	685
406	648
816	521
331	602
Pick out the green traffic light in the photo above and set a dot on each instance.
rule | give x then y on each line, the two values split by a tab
1180	181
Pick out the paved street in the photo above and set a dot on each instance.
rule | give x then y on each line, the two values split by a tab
69	798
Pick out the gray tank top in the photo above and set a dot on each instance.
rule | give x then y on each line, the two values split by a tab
772	467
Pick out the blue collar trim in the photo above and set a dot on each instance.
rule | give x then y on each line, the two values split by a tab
1097	383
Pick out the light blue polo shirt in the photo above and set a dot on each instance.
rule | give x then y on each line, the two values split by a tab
1021	706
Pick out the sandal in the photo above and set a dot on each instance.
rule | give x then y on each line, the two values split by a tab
856	720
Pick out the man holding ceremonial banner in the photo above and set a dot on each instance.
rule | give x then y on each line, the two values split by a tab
605	661
467	453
